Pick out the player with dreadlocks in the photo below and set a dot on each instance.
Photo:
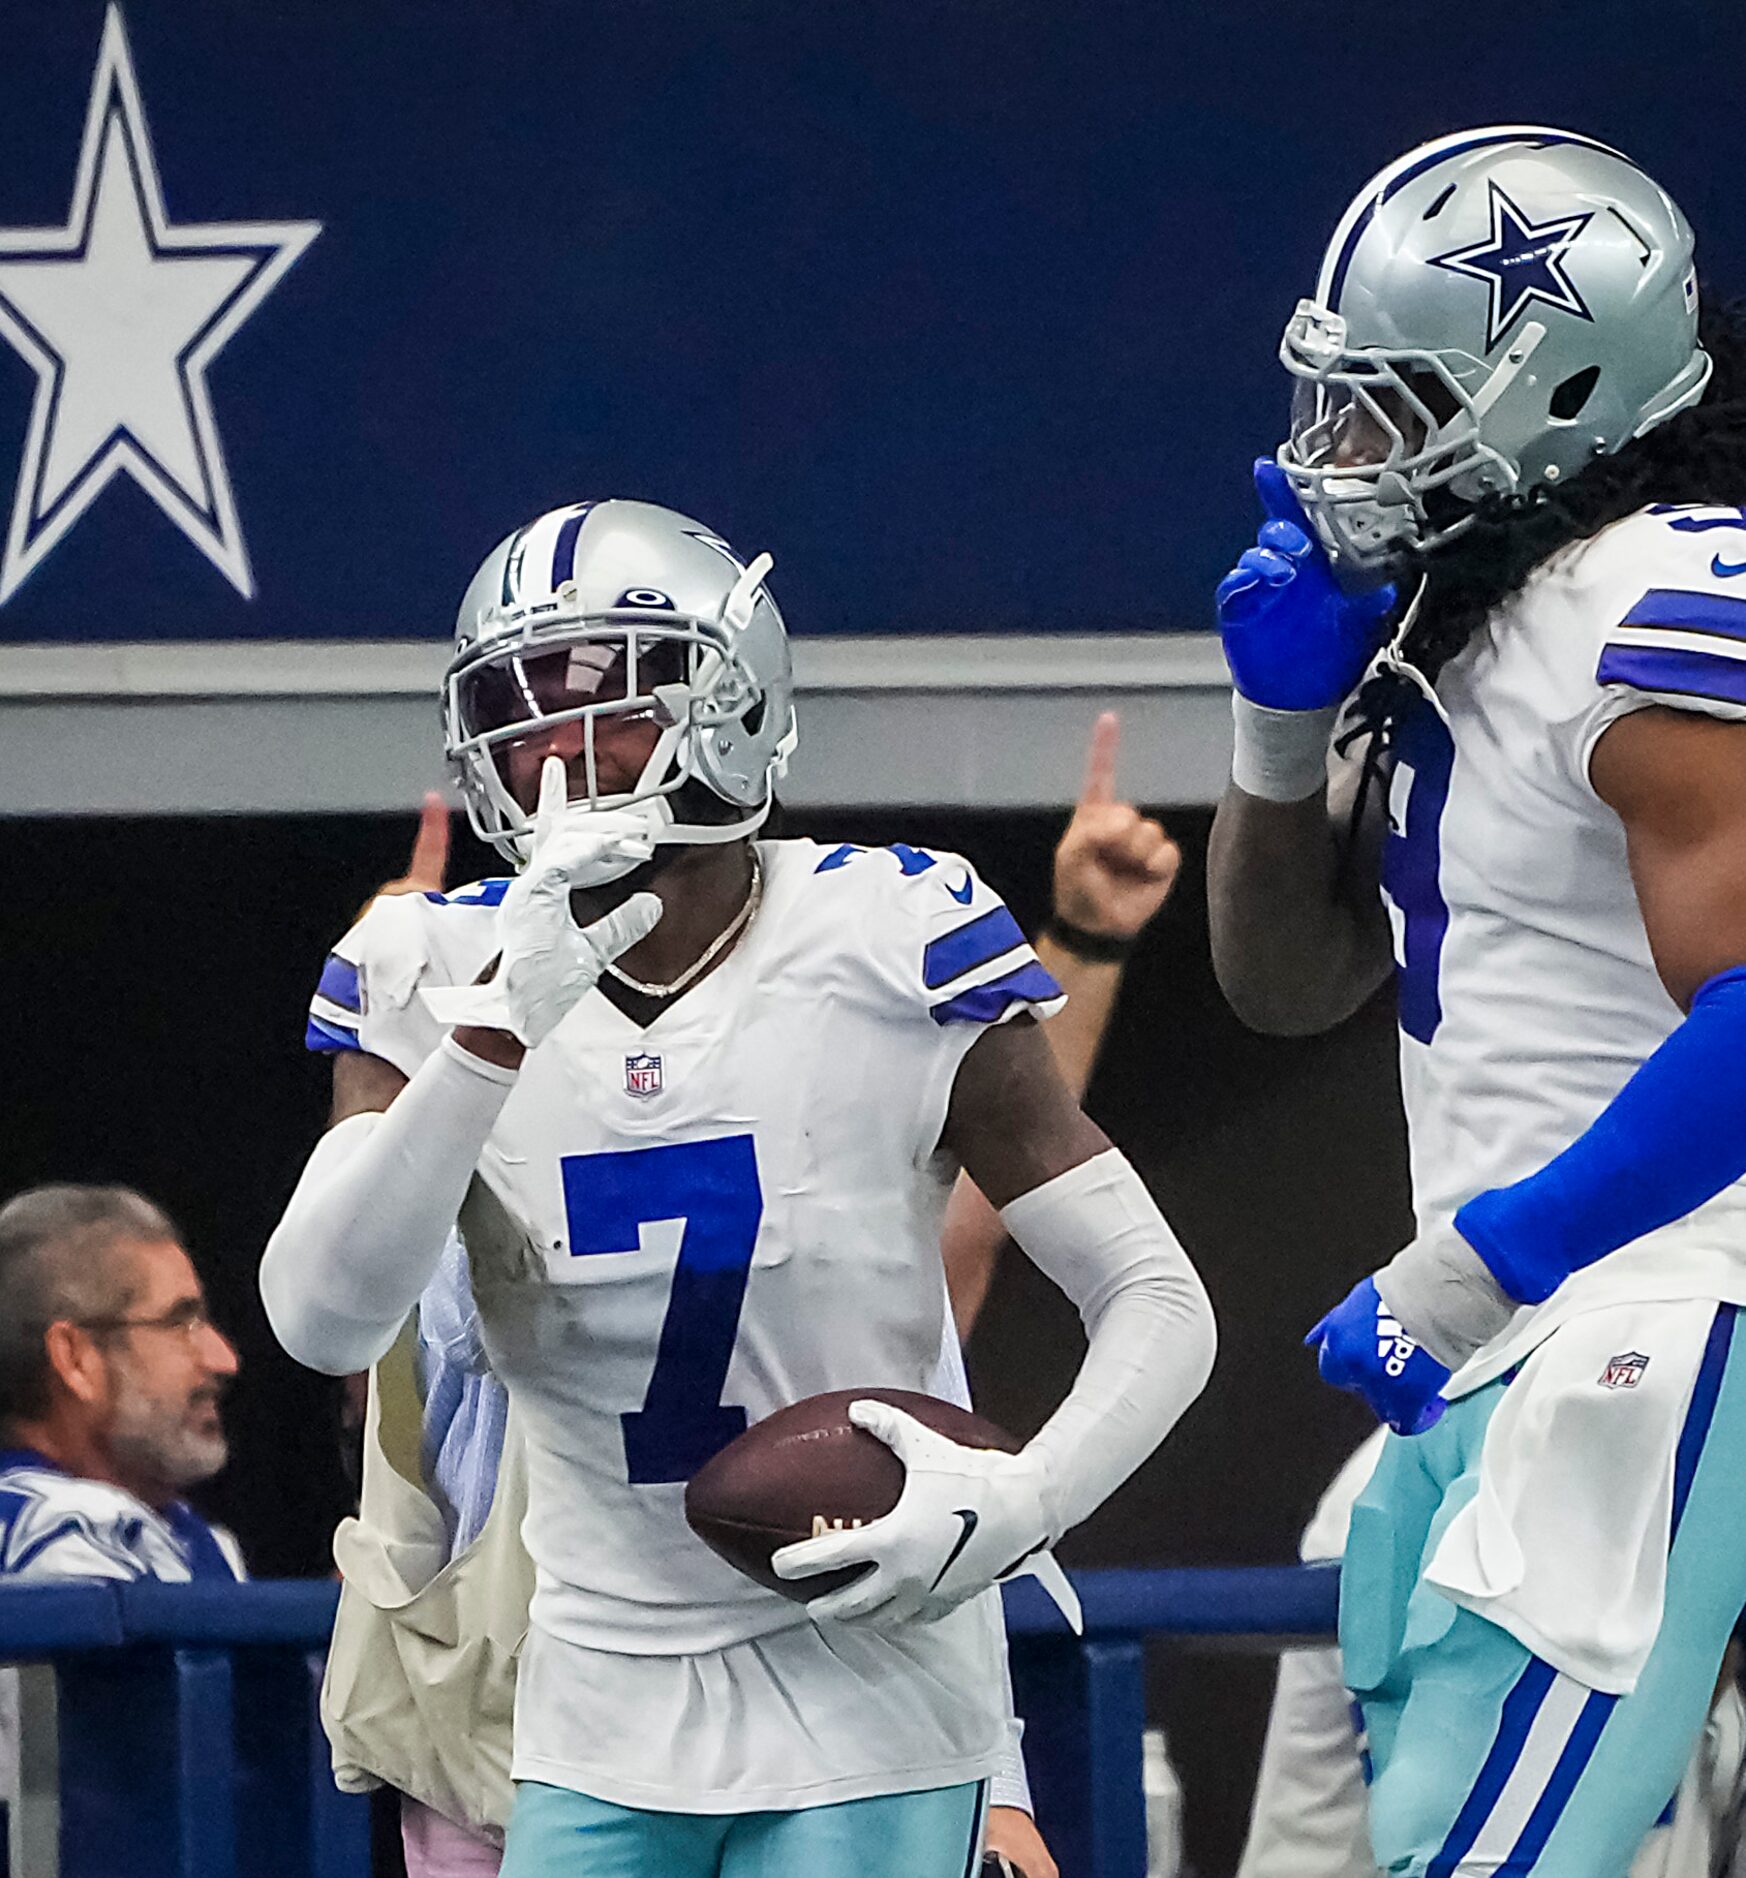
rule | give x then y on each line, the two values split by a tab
1508	519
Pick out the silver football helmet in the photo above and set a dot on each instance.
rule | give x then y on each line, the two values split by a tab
1495	310
624	611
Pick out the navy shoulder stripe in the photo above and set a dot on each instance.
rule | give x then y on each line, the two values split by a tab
339	983
983	1004
484	893
325	1037
1680	673
1679	609
965	947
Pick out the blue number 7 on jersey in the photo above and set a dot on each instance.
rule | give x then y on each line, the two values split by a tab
713	1187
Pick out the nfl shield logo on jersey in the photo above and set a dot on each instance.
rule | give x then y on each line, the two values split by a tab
1623	1370
642	1075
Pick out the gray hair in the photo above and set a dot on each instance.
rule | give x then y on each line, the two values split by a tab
53	1242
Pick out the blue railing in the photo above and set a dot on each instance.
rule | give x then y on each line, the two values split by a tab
189	1744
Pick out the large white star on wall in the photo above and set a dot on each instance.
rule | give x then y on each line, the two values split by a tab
120	314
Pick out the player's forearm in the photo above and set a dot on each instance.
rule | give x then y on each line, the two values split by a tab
362	1233
1098	1234
1298	944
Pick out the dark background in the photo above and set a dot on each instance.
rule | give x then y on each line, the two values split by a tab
157	976
966	309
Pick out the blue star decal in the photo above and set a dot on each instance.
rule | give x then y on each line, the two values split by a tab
1521	262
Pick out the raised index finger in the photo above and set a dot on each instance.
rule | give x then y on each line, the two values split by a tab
428	869
1100	760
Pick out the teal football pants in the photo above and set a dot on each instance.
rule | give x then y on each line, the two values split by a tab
554	1833
1485	1759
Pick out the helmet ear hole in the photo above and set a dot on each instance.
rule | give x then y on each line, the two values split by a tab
754	718
1568	398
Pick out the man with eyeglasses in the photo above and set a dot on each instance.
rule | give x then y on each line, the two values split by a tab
111	1375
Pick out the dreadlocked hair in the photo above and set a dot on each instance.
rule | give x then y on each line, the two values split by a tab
1699	456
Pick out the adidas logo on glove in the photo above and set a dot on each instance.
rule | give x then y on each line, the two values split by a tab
1394	1348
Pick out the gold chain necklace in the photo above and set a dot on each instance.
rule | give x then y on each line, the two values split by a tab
725	937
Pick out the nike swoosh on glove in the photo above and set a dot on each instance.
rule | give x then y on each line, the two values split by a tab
1362	1346
546	963
1294	640
967	1518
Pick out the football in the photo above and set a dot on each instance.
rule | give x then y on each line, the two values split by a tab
807	1470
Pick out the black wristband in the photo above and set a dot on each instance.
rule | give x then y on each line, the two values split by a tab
1090	948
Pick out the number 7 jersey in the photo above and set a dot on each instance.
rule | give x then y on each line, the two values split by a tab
678	1229
1527	992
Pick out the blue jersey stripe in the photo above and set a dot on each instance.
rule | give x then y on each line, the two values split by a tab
483	893
1030	984
1520	1707
326	1038
339	983
1683	674
1701	1412
967	946
1715	613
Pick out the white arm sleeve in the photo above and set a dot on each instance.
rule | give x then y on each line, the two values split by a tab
363	1232
1097	1232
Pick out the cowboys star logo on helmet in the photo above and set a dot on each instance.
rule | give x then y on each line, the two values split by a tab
1419	395
1521	262
615	617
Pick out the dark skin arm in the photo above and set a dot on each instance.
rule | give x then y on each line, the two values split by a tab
362	1085
1298	943
1678	783
1012	1122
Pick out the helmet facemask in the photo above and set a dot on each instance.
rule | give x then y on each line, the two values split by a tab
1386	453
676	678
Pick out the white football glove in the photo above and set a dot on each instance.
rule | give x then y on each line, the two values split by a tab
967	1518
547	964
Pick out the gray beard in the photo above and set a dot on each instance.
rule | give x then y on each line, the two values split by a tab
156	1441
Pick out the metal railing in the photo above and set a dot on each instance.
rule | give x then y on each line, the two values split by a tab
171	1731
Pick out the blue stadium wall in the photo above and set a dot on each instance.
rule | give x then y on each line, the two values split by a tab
967	309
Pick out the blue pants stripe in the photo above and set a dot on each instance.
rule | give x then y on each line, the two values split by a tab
1520	1707
1702	1411
1549	1808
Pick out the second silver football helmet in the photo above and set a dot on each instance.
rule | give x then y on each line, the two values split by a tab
1495	310
626	611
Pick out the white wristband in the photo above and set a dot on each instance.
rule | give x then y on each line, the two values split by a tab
1280	756
1445	1296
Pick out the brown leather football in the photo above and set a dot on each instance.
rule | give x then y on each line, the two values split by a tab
808	1469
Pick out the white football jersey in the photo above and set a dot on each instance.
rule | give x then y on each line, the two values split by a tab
712	1217
1527	992
57	1526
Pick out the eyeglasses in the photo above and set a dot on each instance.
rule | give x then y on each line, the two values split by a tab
187	1318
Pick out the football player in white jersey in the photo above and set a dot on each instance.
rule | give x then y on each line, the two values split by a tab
1508	516
697	1101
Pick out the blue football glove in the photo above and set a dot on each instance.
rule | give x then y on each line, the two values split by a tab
1361	1346
1293	640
